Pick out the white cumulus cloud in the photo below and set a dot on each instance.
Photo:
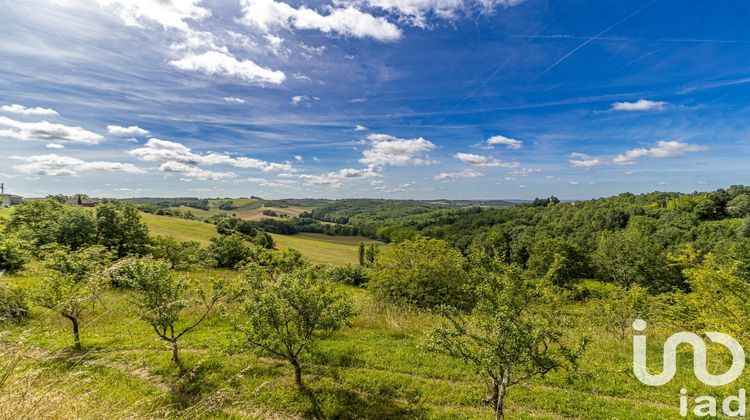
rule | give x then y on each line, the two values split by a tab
193	172
663	149
508	142
387	150
170	14
22	110
132	130
178	156
47	132
57	165
347	21
221	63
582	160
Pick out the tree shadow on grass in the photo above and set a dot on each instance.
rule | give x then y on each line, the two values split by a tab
339	403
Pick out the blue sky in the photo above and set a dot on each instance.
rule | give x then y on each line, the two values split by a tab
373	98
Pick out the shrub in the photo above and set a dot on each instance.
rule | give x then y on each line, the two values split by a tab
558	260
425	273
179	254
13	307
228	251
12	255
348	274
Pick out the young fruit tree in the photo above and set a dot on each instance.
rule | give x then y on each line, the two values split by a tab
162	299
514	332
74	280
289	311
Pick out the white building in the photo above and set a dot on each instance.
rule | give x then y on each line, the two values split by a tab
7	200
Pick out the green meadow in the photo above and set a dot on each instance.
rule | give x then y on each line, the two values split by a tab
376	365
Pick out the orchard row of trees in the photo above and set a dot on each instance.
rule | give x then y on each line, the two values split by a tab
282	303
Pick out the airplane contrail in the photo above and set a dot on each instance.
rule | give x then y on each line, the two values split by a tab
588	41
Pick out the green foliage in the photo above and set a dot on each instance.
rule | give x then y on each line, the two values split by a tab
179	254
629	256
739	206
558	260
228	251
744	231
514	332
289	311
36	221
164	298
620	306
13	307
76	228
119	228
726	286
348	274
72	282
13	255
424	272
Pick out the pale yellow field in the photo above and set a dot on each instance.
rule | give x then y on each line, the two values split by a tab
324	249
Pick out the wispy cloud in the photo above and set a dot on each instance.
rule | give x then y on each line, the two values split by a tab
639	105
450	176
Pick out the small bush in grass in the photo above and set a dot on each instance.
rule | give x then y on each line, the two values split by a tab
13	306
228	251
12	255
348	274
179	254
425	272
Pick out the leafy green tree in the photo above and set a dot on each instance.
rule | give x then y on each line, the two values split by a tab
353	275
745	228
119	228
228	251
628	256
163	300
36	221
726	286
74	280
289	311
370	254
76	228
514	332
424	272
361	253
557	259
739	206
13	255
179	254
623	305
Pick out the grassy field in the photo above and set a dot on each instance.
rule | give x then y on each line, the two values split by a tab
324	249
318	248
373	369
180	229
